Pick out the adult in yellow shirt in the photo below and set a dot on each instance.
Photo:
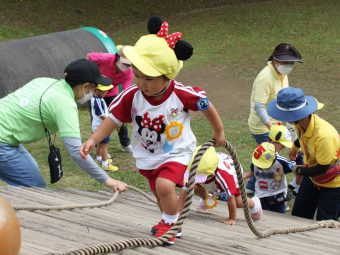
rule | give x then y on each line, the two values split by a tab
320	144
268	82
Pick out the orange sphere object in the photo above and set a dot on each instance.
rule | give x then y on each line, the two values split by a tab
9	230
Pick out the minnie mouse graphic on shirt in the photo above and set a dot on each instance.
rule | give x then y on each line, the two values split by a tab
151	131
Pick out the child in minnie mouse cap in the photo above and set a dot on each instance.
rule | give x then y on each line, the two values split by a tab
158	107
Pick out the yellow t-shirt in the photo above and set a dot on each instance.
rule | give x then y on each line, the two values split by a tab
265	88
320	145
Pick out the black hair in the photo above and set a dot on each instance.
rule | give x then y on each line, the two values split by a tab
183	50
285	49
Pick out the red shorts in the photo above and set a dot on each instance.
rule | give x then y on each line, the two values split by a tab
238	192
172	171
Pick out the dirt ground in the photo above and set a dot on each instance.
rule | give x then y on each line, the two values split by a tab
230	94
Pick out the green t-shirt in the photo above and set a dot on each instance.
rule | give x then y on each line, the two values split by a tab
20	120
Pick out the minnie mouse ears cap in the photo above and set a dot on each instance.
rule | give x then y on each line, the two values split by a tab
153	57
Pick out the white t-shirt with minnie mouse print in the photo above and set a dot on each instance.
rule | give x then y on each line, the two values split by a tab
161	128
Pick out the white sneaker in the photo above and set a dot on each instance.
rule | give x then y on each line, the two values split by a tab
127	149
108	160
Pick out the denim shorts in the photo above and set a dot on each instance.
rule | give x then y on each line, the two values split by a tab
105	140
260	138
18	167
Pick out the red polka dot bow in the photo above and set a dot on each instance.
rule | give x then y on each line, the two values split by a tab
155	124
170	39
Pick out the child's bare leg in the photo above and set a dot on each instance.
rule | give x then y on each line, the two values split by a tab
98	152
165	190
232	211
104	149
157	198
181	200
200	191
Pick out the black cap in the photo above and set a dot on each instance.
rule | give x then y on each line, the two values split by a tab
83	70
286	53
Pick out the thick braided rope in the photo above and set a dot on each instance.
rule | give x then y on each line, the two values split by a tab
85	205
151	242
269	232
65	207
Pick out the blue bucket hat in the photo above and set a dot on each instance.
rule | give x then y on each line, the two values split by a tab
291	105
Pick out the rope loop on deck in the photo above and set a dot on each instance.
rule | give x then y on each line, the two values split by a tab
153	241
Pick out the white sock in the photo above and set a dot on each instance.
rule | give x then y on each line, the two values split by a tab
257	205
170	219
99	158
201	201
105	163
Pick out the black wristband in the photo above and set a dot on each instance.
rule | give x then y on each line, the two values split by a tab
297	143
299	170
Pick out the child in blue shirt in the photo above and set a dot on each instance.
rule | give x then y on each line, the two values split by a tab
269	169
99	112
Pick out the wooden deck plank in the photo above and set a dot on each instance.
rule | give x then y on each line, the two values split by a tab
131	215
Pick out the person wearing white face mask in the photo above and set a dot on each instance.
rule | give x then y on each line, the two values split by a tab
268	82
51	104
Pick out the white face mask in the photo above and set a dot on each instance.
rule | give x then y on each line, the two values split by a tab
285	69
85	98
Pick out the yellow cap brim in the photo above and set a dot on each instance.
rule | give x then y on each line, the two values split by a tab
320	106
142	65
286	144
261	164
104	88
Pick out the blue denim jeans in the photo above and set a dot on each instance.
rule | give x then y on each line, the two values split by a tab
18	167
261	138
